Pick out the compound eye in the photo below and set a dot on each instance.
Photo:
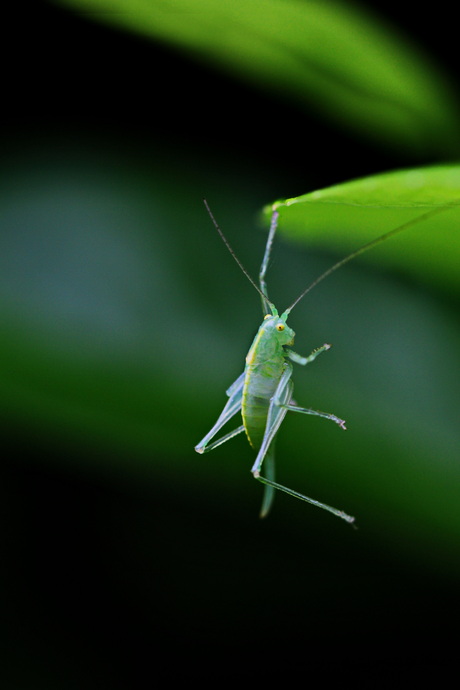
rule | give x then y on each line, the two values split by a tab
280	327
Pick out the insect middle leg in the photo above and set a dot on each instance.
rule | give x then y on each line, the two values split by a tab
293	356
232	407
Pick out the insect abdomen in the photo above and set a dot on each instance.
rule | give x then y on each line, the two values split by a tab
259	387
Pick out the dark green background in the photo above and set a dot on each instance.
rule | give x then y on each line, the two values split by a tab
124	320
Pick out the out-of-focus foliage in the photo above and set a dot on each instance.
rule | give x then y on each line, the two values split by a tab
123	319
335	57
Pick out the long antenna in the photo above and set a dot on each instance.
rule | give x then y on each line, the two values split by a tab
246	273
366	247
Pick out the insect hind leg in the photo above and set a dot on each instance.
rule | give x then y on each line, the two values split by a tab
279	406
312	501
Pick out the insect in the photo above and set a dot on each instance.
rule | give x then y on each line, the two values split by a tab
262	394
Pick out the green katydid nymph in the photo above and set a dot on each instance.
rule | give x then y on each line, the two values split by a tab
262	394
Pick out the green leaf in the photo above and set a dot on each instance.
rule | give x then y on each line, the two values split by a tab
351	214
330	57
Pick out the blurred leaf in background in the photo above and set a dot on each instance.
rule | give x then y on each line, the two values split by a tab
335	57
124	319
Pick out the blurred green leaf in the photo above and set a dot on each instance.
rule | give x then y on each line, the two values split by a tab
333	57
350	214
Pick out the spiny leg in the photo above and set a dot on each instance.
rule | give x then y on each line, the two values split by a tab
233	406
296	494
316	413
263	269
298	359
283	401
269	491
205	447
277	411
275	416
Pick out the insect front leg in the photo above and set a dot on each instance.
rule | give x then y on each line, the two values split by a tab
298	359
263	269
232	407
